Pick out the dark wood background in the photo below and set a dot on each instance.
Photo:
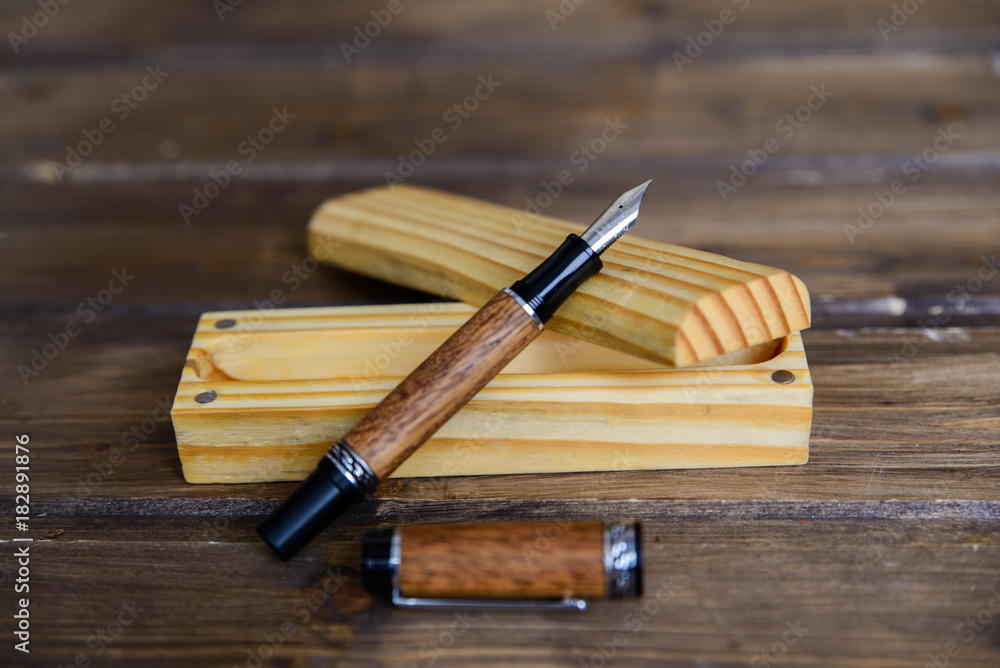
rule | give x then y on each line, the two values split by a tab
877	551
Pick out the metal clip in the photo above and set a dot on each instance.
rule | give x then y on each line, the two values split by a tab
538	604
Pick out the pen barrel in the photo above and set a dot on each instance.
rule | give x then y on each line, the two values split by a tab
505	560
442	384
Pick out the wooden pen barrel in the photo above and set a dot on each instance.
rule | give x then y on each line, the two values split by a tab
505	560
442	384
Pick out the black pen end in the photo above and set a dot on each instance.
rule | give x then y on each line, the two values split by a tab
319	500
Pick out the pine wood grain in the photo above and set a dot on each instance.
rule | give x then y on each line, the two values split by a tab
291	383
503	560
662	302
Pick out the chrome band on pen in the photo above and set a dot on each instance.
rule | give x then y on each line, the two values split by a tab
621	559
526	306
341	478
353	467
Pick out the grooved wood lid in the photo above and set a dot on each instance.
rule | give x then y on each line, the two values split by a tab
667	303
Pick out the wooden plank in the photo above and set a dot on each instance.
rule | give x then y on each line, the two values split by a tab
925	432
946	223
289	385
883	546
374	110
662	302
113	30
887	590
933	239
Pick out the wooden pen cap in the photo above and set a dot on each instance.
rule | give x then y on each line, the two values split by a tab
552	564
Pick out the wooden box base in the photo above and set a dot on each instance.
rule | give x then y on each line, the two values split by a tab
263	395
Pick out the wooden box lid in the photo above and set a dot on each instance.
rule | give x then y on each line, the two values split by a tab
666	303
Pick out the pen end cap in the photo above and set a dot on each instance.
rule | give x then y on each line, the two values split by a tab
321	497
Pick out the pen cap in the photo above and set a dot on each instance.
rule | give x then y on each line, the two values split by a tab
504	560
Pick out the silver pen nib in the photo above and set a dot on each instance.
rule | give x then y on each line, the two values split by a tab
616	219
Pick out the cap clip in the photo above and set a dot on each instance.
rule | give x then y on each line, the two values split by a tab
544	604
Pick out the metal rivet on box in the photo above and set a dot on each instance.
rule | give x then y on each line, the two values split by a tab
206	397
783	377
225	324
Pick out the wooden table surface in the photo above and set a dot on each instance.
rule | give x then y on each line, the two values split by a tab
882	551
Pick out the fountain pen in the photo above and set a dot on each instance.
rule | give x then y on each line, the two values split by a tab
409	415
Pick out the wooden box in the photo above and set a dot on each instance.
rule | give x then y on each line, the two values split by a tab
263	395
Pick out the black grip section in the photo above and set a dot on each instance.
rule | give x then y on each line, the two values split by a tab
321	497
378	573
555	279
